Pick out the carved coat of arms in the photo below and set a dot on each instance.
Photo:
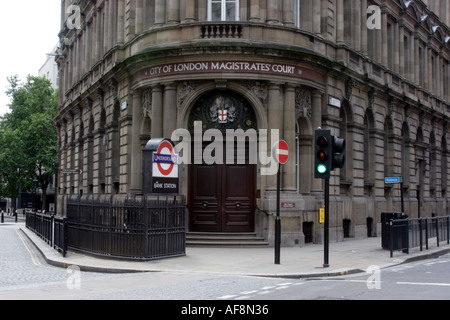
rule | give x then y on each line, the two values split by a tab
222	111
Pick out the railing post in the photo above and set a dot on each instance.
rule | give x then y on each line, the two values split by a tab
437	231
65	236
40	223
448	229
110	213
391	238
52	230
407	236
167	217
146	226
420	234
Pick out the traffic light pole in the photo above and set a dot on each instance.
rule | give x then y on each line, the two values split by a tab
326	242
330	155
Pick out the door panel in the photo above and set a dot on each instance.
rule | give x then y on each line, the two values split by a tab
222	198
239	197
205	197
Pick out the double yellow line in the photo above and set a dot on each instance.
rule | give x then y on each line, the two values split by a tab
34	258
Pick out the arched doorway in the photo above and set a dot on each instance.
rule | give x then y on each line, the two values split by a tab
222	195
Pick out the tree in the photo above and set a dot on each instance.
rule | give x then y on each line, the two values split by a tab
29	126
34	96
40	142
12	164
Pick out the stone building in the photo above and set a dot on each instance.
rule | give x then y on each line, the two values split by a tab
49	69
375	72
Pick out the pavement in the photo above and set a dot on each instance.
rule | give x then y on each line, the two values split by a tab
347	257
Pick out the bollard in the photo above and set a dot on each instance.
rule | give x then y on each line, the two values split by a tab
3	217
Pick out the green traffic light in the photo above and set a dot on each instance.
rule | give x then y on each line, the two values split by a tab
322	169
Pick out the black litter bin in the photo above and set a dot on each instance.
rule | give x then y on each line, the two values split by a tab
399	231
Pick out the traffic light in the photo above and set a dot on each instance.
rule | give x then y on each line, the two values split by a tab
338	150
323	159
330	154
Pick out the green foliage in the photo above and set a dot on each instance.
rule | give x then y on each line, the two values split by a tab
12	164
34	96
28	139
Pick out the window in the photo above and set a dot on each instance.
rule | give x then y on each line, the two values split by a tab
433	160
445	77
390	47
369	147
444	165
407	55
297	13
343	135
433	72
388	147
421	67
223	10
405	154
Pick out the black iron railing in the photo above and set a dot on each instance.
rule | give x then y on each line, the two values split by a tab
60	234
50	228
140	228
405	234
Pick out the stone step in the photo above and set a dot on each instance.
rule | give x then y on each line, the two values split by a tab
224	239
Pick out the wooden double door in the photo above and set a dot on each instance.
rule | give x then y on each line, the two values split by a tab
222	198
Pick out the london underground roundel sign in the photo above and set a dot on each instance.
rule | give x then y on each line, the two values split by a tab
281	152
165	162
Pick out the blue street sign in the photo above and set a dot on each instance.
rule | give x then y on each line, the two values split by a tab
388	180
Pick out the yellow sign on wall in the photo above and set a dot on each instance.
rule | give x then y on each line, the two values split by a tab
321	215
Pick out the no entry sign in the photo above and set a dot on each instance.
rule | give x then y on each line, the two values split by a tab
281	152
